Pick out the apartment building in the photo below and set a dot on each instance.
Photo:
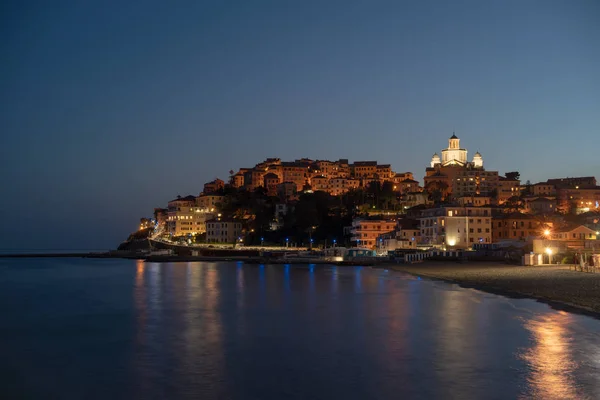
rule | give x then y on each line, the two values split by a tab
457	227
473	181
223	230
516	226
295	172
507	188
366	231
208	202
185	217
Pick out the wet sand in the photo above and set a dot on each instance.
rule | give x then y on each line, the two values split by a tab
556	285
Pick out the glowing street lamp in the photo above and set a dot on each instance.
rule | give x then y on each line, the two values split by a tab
549	252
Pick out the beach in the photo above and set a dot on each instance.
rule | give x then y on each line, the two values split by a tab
557	285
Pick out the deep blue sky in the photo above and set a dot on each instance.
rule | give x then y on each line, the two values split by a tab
111	108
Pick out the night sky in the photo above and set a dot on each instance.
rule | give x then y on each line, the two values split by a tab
112	108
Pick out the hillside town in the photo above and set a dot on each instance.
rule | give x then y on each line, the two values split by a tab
460	205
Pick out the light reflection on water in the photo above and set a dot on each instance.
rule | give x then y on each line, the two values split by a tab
227	330
550	359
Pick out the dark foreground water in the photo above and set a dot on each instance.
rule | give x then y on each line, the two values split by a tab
114	329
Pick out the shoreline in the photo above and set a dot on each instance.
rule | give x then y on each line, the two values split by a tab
557	286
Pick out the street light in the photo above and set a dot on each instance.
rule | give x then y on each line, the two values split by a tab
549	252
287	242
262	241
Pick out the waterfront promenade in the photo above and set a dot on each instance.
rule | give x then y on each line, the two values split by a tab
554	284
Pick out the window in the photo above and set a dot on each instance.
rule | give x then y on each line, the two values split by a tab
470	230
478	230
487	230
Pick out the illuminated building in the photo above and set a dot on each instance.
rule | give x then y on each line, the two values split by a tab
459	177
338	186
578	200
406	186
184	217
320	182
456	226
340	175
223	230
474	200
365	231
237	180
474	181
516	226
507	188
271	180
295	172
574	235
406	236
363	169
583	182
209	202
543	189
540	205
213	186
254	178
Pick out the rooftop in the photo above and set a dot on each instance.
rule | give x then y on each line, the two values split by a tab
223	220
515	215
186	198
365	163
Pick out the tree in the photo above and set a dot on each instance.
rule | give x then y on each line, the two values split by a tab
514	204
438	191
513	175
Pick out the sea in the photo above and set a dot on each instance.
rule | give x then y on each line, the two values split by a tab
124	329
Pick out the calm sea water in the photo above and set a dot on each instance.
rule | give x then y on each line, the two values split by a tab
115	329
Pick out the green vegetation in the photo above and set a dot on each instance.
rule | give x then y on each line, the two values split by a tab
317	215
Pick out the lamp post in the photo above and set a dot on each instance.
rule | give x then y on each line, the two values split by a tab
546	245
262	241
287	242
549	252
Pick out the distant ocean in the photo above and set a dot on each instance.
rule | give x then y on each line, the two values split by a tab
49	251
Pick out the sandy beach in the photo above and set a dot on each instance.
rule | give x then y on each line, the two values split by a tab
556	285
